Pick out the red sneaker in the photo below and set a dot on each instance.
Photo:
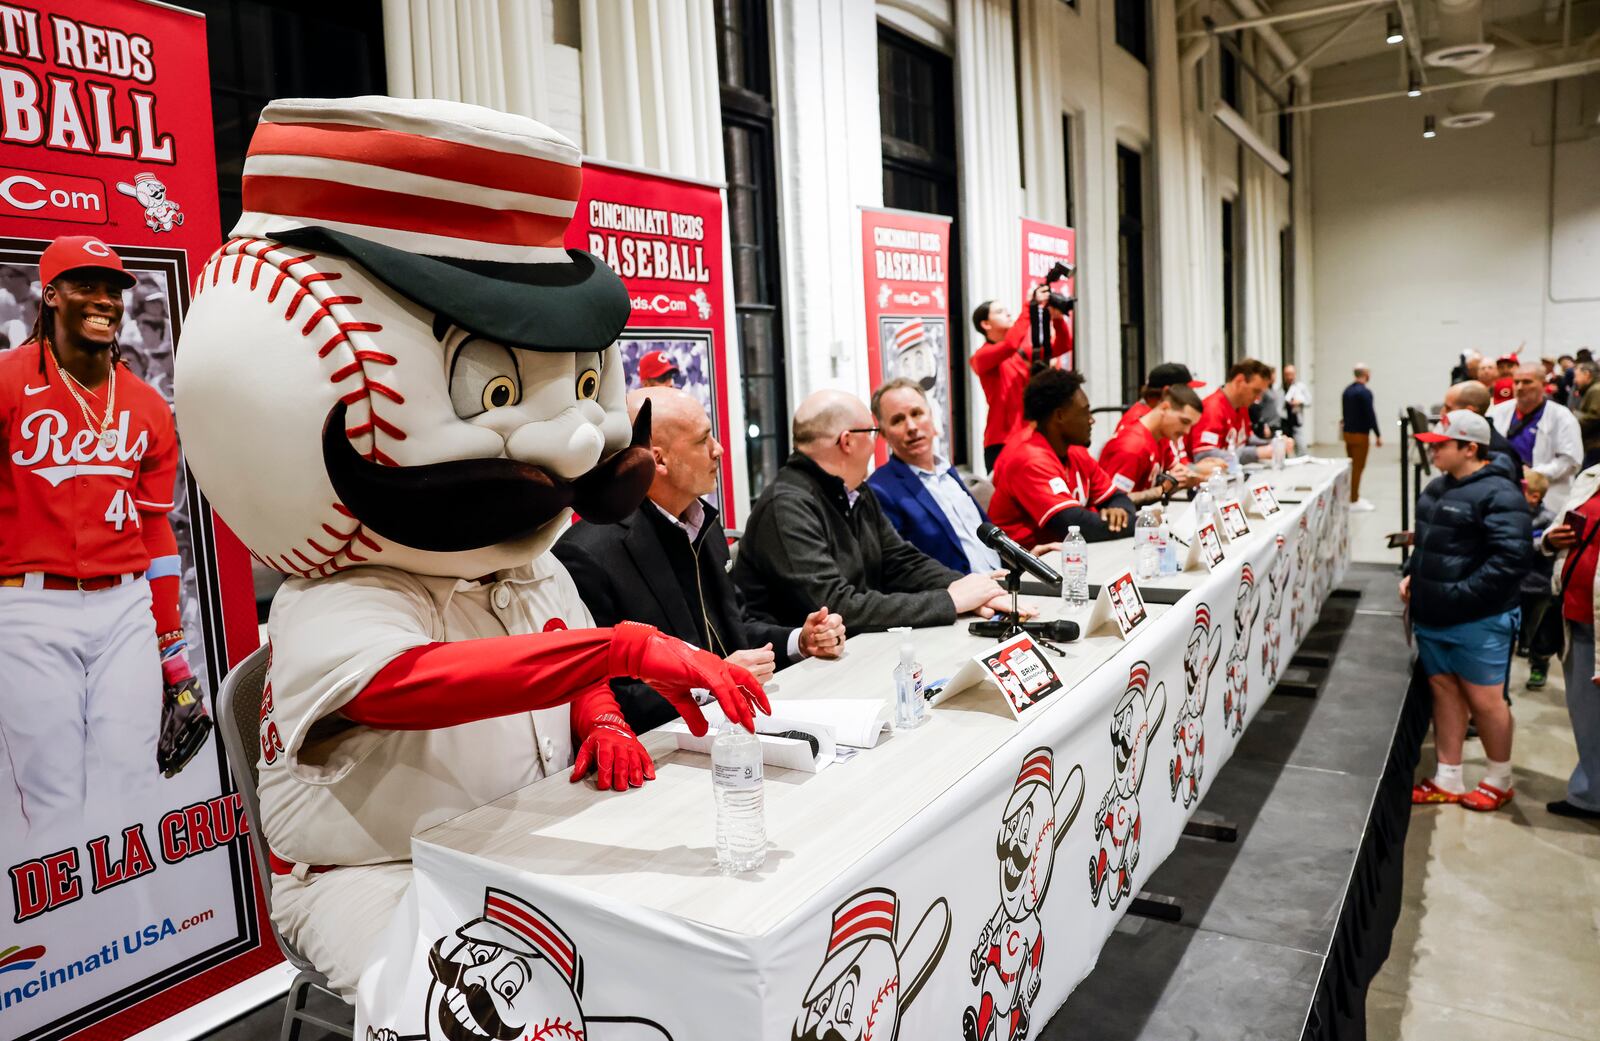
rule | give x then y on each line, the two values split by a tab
1426	792
1486	797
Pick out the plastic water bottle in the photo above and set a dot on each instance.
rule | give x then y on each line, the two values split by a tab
1146	548
1280	449
1167	551
1074	569
1205	507
910	707
736	777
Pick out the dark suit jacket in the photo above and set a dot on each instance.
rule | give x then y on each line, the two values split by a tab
916	514
806	545
623	573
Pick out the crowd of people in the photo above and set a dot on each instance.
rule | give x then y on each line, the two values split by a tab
1504	564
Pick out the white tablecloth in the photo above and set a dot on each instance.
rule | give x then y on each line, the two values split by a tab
962	876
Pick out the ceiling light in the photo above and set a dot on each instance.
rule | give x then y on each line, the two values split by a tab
1414	85
1427	127
1396	34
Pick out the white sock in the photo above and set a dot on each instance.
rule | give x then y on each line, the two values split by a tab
1448	778
1499	775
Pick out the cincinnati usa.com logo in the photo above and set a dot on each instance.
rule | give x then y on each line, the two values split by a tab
23	977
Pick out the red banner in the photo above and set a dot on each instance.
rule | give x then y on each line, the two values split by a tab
905	262
133	912
664	237
1044	246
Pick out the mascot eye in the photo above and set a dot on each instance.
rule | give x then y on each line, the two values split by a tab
843	1008
509	980
588	384
481	954
483	377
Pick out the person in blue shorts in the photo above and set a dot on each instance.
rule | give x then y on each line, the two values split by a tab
1461	583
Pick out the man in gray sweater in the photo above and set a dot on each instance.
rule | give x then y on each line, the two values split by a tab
818	536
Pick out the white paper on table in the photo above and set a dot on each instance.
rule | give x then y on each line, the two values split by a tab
853	721
785	752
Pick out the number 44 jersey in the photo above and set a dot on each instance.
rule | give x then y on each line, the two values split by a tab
73	498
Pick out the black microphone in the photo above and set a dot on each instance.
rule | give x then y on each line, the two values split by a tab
991	535
1057	631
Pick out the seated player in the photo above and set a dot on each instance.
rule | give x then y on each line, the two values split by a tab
1223	430
920	492
1046	481
1167	374
666	564
817	536
1138	457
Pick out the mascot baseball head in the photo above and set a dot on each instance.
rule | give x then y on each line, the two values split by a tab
394	360
1031	828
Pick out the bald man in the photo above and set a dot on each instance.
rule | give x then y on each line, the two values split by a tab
666	564
1545	435
1475	397
817	536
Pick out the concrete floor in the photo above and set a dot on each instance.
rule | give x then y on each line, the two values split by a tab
1499	935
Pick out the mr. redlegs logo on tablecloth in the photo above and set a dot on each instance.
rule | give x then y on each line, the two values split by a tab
1006	964
515	974
866	981
1246	605
1200	659
1117	825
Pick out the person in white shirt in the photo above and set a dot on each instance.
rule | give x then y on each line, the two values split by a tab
922	495
1544	435
1296	399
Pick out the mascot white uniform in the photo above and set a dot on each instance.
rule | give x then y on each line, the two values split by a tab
395	385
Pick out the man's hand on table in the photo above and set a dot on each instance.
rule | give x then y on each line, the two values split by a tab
618	759
760	662
822	635
1116	517
674	669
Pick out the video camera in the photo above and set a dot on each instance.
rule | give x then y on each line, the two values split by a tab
1039	317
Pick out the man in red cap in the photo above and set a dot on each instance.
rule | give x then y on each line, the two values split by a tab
657	369
87	556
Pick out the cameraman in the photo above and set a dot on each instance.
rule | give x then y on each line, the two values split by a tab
1006	360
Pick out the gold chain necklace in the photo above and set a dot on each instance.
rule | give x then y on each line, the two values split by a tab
104	430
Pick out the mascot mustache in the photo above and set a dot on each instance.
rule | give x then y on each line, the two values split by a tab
821	1034
467	504
479	1004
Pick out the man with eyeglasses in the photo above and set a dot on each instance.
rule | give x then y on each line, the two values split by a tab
816	536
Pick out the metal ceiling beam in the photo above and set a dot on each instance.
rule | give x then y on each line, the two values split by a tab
1285	16
1326	42
1521	76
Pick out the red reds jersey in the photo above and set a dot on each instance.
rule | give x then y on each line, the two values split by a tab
69	505
1033	484
1134	414
1004	369
1132	458
1221	427
1173	452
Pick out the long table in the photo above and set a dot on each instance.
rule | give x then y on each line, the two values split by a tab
910	891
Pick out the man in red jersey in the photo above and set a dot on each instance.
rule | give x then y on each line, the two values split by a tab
90	626
1137	456
1224	427
1046	481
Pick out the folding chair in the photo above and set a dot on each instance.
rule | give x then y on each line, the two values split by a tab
238	706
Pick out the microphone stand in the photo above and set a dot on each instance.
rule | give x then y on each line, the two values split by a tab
1014	622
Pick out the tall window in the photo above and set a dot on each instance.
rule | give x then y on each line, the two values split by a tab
916	109
1232	337
1066	166
744	69
286	49
1228	72
1286	293
1130	268
1133	26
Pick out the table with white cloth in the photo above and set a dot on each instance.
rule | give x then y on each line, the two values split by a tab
957	880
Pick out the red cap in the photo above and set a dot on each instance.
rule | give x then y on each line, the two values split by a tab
70	252
655	365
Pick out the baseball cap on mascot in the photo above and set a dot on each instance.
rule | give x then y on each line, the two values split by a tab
77	252
394	360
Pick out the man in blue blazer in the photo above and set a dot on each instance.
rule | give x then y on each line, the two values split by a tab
922	495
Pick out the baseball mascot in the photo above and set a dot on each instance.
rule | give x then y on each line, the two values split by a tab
1118	825
90	626
1007	963
1246	605
1200	659
396	385
1272	625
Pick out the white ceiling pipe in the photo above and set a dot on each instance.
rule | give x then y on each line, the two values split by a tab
1275	43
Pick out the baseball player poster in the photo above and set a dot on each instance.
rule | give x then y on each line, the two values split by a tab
905	264
121	604
1043	247
663	236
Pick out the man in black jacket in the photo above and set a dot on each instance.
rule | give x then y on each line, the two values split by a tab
818	536
1462	582
1475	397
666	564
